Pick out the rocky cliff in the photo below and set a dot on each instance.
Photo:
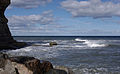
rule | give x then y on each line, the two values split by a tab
6	40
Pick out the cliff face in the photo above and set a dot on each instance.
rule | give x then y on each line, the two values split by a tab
6	40
5	34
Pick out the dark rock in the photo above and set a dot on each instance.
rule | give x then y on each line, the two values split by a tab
46	66
3	58
21	59
23	65
63	68
52	43
29	65
32	64
6	40
56	71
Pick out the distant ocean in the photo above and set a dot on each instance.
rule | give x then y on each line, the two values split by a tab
84	54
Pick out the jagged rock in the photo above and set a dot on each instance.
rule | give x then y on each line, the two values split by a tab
52	43
23	65
6	40
29	65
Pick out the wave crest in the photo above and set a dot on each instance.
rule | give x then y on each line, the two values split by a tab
91	43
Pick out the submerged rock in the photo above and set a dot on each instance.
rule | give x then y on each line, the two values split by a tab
52	43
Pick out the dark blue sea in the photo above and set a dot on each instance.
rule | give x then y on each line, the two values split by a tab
83	54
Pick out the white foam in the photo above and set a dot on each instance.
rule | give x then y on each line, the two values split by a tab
45	44
39	44
96	45
92	43
79	46
35	51
77	39
91	71
26	49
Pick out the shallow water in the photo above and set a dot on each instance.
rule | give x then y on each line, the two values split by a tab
85	55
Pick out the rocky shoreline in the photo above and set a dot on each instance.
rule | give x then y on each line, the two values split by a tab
21	64
29	65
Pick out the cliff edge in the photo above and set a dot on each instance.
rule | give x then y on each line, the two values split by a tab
6	40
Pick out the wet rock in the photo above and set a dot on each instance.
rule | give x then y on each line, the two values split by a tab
52	43
6	40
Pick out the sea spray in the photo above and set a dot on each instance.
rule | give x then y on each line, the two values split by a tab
91	43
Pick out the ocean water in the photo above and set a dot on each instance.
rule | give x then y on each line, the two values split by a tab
84	55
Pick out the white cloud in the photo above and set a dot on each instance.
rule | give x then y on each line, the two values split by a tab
28	3
30	22
91	8
42	24
44	18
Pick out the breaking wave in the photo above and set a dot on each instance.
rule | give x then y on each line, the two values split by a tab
72	53
40	44
92	43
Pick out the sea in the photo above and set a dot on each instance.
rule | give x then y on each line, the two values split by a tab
83	54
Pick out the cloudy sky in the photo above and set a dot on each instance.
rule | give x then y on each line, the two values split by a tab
64	17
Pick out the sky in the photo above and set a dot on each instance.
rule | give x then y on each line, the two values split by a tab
64	17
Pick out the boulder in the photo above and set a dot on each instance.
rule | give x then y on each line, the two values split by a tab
56	71
23	65
52	43
68	70
5	65
29	65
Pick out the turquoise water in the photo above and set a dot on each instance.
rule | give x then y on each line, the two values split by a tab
85	55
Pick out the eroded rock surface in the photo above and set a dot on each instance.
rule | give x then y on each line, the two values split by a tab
23	65
29	65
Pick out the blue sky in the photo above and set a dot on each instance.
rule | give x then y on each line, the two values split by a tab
64	17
